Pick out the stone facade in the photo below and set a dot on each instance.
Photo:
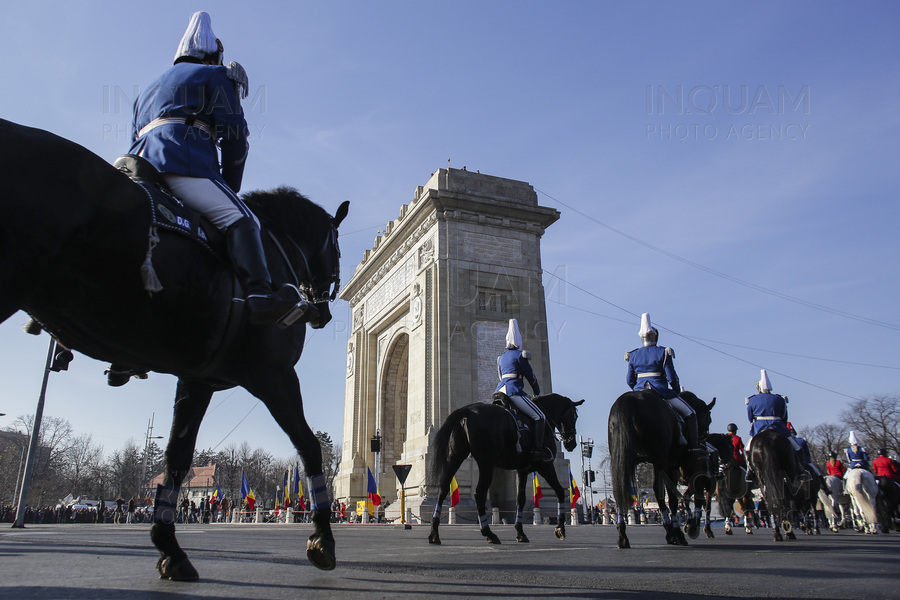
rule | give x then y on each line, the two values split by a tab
430	303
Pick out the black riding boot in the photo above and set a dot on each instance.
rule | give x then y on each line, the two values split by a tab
538	451
249	261
695	450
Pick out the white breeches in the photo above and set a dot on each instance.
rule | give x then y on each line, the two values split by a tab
212	199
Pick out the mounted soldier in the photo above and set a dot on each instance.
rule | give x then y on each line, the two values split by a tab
857	457
652	366
737	445
181	123
513	366
766	410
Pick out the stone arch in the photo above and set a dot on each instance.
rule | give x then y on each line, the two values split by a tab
393	392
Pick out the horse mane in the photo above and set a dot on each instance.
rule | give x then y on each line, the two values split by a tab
287	212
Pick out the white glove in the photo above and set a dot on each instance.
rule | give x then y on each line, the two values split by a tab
238	75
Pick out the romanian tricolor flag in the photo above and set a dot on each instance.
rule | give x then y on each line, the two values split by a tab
247	492
298	489
216	495
373	489
538	494
287	491
454	493
575	495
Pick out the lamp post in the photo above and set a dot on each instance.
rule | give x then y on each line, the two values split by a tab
147	437
56	361
587	450
376	448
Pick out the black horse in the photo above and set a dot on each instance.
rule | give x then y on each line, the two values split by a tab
732	487
73	239
644	428
789	490
489	433
701	486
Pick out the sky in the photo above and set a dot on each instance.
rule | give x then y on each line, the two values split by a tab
729	168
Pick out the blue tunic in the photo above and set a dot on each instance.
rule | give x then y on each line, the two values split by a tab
185	90
515	362
859	458
652	366
767	411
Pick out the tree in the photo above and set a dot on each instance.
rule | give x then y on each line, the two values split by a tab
82	460
124	470
876	421
331	459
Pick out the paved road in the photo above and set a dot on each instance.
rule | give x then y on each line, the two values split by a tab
263	562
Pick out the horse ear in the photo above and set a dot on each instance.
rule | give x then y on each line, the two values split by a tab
711	404
579	403
341	213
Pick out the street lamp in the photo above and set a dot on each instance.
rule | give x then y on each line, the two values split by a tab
587	450
56	361
147	438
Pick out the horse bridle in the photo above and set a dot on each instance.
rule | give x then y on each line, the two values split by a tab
306	288
564	434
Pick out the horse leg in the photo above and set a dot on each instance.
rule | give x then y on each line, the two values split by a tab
562	499
280	392
520	506
485	476
446	473
191	402
667	501
707	507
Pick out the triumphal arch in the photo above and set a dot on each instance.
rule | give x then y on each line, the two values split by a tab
430	303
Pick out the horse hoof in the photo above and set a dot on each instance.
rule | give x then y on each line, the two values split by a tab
709	532
623	543
434	538
729	532
181	570
560	533
790	535
320	552
749	531
492	539
523	539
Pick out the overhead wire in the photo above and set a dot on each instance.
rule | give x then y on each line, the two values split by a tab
759	288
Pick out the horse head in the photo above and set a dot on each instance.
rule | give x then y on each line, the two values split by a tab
309	238
563	414
703	410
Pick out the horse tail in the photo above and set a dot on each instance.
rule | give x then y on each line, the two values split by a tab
622	452
442	441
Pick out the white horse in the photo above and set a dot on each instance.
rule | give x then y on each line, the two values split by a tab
863	490
838	515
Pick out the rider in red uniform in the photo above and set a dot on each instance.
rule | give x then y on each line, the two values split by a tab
835	467
738	444
883	466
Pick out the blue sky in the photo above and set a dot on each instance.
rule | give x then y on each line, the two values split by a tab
722	166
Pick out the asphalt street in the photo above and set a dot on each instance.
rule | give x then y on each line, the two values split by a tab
262	562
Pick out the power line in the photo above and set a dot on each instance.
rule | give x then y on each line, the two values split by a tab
722	275
792	354
707	346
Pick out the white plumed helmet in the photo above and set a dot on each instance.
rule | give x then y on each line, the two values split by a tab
513	337
764	384
199	41
648	332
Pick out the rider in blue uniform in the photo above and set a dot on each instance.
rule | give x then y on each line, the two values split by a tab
513	367
652	366
766	410
181	122
857	457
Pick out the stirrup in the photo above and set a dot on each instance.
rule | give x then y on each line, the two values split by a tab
303	310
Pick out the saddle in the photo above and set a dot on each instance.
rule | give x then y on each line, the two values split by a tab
167	211
524	424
